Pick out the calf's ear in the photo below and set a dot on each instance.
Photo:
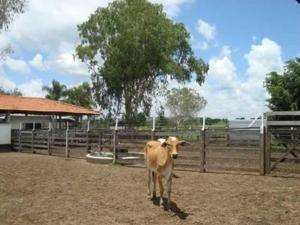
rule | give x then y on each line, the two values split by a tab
184	143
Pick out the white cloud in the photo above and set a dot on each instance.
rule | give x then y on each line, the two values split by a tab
66	63
206	30
263	58
225	51
32	88
50	27
5	83
222	69
202	46
227	94
172	7
241	97
17	65
58	20
38	62
254	39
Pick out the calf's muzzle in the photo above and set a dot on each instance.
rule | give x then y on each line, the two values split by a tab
174	156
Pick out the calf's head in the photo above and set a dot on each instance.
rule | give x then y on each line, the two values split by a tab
172	144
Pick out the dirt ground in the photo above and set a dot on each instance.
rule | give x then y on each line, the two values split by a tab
37	189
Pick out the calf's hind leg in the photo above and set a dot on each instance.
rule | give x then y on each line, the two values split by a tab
154	184
149	184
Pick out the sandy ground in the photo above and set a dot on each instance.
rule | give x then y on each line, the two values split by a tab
37	189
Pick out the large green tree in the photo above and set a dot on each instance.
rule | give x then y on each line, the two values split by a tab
184	104
284	88
132	47
56	91
80	95
8	10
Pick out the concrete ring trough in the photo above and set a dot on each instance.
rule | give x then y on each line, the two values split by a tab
107	157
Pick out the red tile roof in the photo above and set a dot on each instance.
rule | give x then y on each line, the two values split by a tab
31	105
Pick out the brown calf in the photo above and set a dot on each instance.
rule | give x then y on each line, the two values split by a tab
159	158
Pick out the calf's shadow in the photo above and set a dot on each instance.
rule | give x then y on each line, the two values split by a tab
181	214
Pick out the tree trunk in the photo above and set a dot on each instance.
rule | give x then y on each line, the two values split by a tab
129	115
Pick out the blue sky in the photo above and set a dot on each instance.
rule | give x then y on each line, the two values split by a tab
241	41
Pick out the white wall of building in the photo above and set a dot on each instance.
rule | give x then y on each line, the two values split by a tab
5	133
15	121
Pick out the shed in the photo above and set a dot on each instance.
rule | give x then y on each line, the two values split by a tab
22	109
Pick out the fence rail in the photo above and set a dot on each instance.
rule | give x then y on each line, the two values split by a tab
210	150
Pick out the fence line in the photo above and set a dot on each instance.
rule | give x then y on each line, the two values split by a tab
211	149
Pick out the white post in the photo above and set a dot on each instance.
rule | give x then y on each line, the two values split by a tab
116	125
153	124
203	123
20	126
88	125
262	124
49	126
33	127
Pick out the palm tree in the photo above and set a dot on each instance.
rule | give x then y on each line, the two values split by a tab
55	92
80	95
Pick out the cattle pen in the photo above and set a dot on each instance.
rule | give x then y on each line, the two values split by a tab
226	188
211	149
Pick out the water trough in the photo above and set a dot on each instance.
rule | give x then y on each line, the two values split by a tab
107	157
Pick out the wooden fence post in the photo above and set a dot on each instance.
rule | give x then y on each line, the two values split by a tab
100	141
49	141
20	137
20	140
88	141
32	142
67	151
88	137
203	151
263	151
268	151
115	140
227	137
32	138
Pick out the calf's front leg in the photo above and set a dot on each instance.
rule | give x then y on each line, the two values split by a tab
169	187
161	190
